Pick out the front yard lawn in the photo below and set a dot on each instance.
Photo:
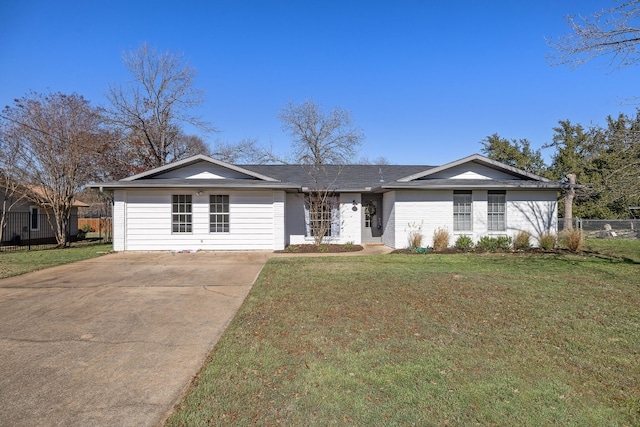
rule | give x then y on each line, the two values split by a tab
15	263
463	339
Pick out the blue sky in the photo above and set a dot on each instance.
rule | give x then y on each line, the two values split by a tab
425	80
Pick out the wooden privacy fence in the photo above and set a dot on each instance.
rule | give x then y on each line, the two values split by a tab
103	227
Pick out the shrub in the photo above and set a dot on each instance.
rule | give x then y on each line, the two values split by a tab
504	242
486	243
493	244
523	241
547	241
572	239
415	235
440	240
349	245
464	243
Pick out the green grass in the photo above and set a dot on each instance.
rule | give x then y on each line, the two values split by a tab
15	263
401	340
629	249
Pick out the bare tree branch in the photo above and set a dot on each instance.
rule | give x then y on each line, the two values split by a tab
153	107
613	32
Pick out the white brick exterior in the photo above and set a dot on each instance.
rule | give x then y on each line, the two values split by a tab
532	211
262	216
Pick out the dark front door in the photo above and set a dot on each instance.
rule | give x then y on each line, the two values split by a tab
371	218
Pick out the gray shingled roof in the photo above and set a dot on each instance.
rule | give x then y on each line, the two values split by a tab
350	177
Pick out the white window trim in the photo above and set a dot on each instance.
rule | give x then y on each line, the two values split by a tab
227	214
334	231
470	229
504	214
189	214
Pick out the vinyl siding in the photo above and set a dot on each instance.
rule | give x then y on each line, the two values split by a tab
203	170
470	171
256	221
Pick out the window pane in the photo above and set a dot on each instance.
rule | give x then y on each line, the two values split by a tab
496	208
321	215
219	213
181	213
462	211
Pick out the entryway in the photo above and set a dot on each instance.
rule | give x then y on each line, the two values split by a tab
371	218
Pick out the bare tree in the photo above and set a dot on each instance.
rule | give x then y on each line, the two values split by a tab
380	160
611	32
321	139
245	151
152	109
51	141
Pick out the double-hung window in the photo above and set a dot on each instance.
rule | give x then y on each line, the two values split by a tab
322	214
219	213
181	213
496	208
462	211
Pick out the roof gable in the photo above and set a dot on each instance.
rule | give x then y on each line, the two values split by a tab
474	167
200	167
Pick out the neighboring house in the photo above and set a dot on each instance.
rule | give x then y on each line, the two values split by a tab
27	221
203	204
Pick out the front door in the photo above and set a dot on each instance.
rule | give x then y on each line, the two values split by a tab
371	218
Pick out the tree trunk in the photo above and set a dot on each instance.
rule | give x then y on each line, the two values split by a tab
568	202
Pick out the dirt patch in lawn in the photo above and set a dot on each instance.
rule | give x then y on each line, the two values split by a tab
329	248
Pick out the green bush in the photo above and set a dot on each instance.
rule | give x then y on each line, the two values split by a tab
504	242
548	241
522	241
464	243
440	240
492	244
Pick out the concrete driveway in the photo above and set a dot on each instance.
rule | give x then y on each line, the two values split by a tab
117	339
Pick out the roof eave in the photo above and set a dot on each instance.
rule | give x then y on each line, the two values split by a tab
193	160
479	159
